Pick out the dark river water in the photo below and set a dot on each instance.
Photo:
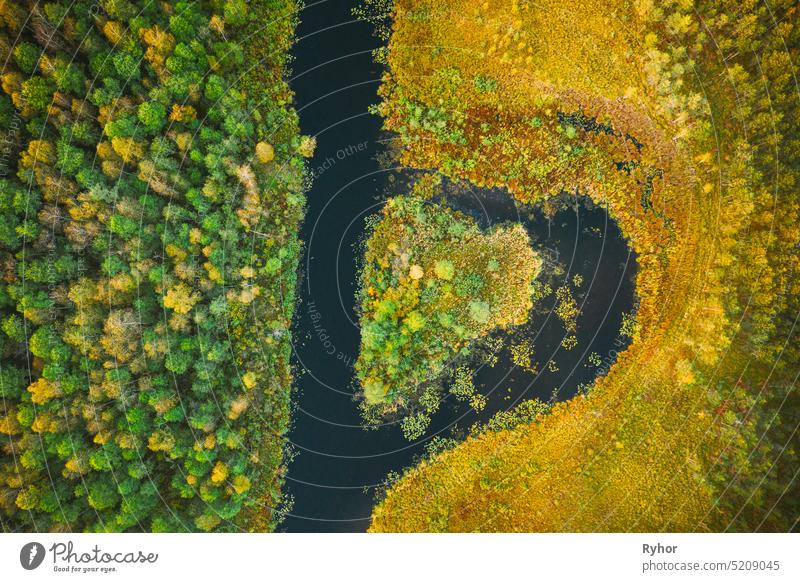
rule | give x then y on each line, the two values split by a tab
338	465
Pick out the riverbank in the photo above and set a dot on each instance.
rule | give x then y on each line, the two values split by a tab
339	468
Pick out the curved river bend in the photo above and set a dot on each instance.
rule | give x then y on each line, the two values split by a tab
338	465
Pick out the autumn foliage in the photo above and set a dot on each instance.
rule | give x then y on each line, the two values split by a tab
149	203
433	283
681	119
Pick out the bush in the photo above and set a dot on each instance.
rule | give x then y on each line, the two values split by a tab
419	309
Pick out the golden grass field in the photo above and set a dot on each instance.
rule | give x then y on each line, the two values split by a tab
664	441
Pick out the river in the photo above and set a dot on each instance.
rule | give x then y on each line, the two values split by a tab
338	465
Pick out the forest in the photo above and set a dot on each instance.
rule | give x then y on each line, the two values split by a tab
151	192
681	118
